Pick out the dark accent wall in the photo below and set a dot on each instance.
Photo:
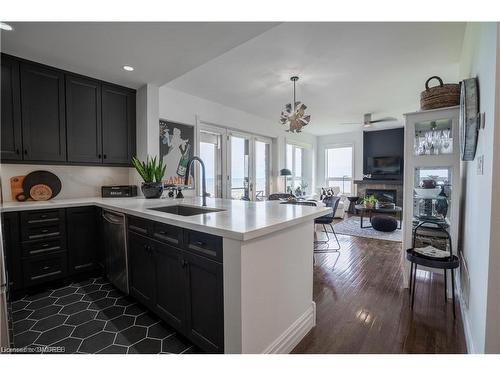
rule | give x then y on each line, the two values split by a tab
388	142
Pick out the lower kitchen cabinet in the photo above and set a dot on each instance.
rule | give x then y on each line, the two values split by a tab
12	248
141	269
205	302
82	238
170	284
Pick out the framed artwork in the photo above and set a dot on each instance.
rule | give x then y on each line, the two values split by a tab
176	148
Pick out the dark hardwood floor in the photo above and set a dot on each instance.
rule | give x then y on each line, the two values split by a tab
362	307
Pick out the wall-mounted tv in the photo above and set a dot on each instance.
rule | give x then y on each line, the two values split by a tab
384	165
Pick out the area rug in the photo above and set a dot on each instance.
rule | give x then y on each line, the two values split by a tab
350	226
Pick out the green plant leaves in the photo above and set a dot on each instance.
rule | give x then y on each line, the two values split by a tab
151	170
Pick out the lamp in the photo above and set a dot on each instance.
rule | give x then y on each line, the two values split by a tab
285	173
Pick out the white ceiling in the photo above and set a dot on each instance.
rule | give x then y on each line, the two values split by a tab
345	69
159	52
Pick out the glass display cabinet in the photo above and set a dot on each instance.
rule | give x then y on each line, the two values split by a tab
432	179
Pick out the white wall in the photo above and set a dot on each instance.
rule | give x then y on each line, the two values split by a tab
184	108
480	217
77	181
353	138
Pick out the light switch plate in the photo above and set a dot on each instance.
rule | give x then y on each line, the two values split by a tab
480	165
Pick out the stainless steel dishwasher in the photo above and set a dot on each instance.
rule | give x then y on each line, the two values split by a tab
115	249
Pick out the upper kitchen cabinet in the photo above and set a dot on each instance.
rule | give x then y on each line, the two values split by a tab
11	111
83	120
118	124
43	114
51	116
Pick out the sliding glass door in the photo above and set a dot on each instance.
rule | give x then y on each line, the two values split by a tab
238	164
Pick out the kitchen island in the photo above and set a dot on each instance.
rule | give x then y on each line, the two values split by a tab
267	270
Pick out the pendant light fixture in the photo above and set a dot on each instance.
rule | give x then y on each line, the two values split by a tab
294	117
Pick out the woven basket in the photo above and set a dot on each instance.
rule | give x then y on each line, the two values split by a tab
439	96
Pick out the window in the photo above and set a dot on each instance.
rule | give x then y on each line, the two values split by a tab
295	163
339	168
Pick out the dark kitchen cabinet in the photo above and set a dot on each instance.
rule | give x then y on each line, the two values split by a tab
205	302
11	111
43	114
83	119
170	284
82	240
118	124
12	249
51	116
141	269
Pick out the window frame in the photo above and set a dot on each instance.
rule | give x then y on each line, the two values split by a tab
340	179
293	178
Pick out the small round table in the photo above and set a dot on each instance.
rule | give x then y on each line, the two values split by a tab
396	211
352	204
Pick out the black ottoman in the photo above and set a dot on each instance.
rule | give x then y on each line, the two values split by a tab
384	223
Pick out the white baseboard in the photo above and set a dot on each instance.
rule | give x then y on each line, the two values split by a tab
289	339
465	320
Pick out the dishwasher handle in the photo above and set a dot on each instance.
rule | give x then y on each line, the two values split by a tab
113	217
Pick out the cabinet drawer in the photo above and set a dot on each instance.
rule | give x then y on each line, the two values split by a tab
167	233
41	269
42	217
204	244
42	232
139	225
34	248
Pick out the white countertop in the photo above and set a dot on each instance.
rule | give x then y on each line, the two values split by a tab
241	220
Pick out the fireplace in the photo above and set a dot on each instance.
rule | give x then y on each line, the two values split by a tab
383	195
384	190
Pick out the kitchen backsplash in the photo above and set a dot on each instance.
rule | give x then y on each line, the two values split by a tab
77	181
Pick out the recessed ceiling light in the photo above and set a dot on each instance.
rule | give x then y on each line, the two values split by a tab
128	68
5	26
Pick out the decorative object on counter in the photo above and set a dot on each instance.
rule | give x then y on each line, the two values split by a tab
369	201
119	191
293	116
444	95
386	205
37	185
176	148
152	173
171	193
469	118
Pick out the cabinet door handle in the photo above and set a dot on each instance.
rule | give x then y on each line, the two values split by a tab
99	156
104	156
25	152
17	151
184	263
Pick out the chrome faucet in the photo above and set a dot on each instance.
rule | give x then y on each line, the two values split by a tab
203	180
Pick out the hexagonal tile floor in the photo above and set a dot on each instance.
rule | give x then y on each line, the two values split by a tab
92	317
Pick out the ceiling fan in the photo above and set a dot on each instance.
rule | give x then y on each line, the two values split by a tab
368	122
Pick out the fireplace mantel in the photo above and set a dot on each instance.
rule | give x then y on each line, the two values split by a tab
379	182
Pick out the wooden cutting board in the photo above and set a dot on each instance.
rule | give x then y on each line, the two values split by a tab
16	186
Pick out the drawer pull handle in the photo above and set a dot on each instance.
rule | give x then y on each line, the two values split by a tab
33	236
35	221
46	250
46	275
164	237
137	229
46	268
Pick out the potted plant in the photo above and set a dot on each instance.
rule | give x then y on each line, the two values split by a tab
369	201
152	173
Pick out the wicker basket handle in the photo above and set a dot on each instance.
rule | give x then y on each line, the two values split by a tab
433	77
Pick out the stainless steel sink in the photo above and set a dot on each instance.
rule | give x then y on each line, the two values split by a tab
186	210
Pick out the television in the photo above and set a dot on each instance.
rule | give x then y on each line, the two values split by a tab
384	166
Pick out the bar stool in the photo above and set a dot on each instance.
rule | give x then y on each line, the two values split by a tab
450	262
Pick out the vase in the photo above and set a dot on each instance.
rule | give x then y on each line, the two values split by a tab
152	189
368	205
